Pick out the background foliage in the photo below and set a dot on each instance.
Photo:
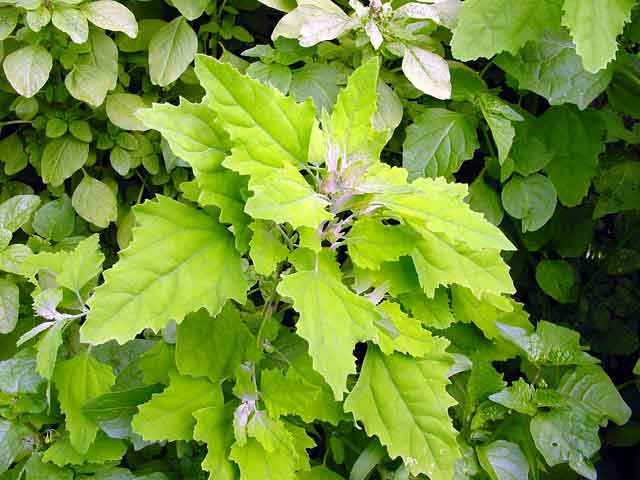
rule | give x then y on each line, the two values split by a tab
533	104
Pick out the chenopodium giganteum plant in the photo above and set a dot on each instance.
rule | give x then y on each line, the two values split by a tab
343	251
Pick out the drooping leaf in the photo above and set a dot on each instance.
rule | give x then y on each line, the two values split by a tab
403	401
189	252
169	415
78	380
499	116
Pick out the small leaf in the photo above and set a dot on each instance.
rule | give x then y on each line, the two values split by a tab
532	199
557	279
503	460
27	69
8	21
55	220
121	110
95	202
427	71
171	50
17	211
9	304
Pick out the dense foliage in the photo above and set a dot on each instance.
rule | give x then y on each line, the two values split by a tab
310	240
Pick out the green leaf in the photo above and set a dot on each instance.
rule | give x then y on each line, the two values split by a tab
372	243
530	153
595	391
191	9
72	22
88	84
95	202
17	210
103	450
532	199
510	23
550	66
189	252
226	334
619	189
55	220
503	460
427	71
432	312
567	436
78	380
8	21
576	139
267	247
81	130
438	142
557	279
332	318
37	470
499	116
319	473
83	264
171	50
11	443
65	156
27	69
48	349
9	304
214	427
12	154
518	397
595	26
169	415
486	200
307	394
549	345
317	81
18	374
404	402
110	15
121	110
120	403
278	76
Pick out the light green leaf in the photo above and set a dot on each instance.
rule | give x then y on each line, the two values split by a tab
549	66
11	443
278	76
427	71
64	156
214	427
438	142
389	110
191	9
190	252
36	469
576	138
432	312
319	473
169	415
9	304
88	84
121	403
226	334
595	26
267	247
12	258
532	199
27	69
372	243
503	460
404	402
567	436
195	136
48	349
595	391
55	220
171	50
282	5
17	210
308	396
488	27
121	110
78	380
317	81
81	265
557	279
13	154
18	374
111	15
38	19
549	345
103	450
518	397
95	202
72	22
499	116
332	318
8	21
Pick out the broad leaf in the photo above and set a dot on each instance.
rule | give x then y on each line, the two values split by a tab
72	22
65	156
189	252
503	460
103	450
214	427
95	202
111	15
404	402
17	210
171	49
532	199
9	304
121	110
27	69
427	71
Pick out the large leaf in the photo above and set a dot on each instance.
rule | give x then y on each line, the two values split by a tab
488	27
503	460
332	318
438	142
404	402
27	69
78	380
180	260
595	26
169	415
549	66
